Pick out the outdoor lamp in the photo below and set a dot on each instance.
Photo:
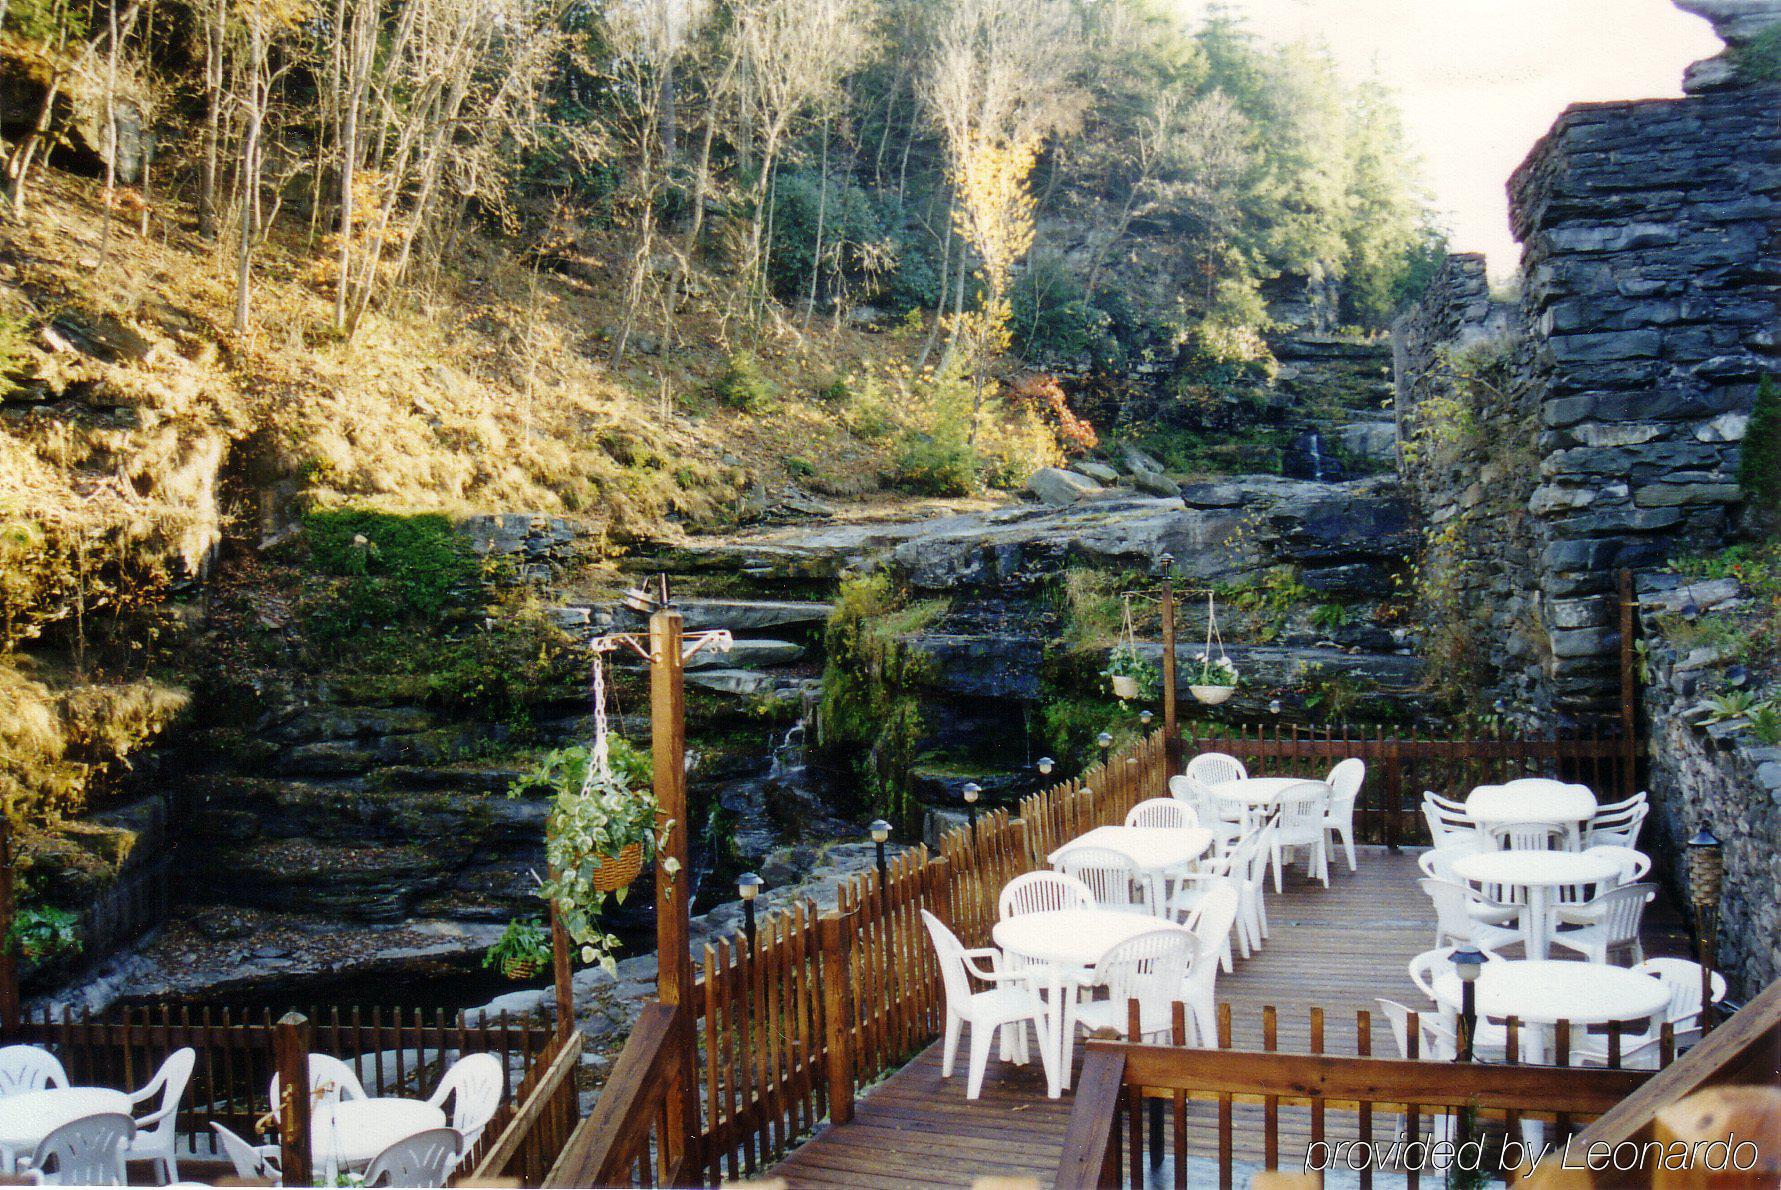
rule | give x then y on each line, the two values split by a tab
748	887
1706	872
880	832
1274	706
1706	868
1167	561
1046	764
1468	963
1105	740
1145	716
971	792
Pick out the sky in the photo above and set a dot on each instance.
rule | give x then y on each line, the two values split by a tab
1480	80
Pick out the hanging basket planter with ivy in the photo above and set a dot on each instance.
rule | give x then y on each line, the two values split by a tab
522	950
618	871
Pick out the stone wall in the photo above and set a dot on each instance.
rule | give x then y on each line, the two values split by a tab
1651	269
1713	775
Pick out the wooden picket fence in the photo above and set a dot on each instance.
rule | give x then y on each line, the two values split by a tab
395	1052
1401	766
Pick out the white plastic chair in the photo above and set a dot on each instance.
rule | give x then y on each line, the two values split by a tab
1607	923
250	1160
1532	836
1215	768
1456	925
473	1084
1684	978
1110	876
157	1139
1162	813
1634	864
330	1081
1300	823
1211	922
1148	968
1617	824
1447	827
84	1152
1011	1000
1185	790
1344	782
1043	892
424	1159
26	1068
1643	1050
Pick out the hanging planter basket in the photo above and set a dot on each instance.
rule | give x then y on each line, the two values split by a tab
1212	695
1125	686
617	871
517	969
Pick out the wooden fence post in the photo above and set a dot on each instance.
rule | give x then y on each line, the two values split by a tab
9	954
562	972
940	890
674	963
1394	791
836	936
290	1047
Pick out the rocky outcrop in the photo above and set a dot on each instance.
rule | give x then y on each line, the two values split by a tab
1738	23
1651	273
1712	774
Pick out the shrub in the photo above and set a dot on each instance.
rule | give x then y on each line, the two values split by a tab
397	568
1012	443
1759	466
835	391
1760	61
743	385
942	463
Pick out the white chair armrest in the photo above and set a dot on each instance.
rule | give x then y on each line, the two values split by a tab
155	1117
993	956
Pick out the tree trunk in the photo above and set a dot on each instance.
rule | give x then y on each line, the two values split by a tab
250	175
822	208
213	118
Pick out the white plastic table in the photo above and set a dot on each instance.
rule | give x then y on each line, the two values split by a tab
353	1131
1544	992
1065	940
1260	793
26	1118
1156	851
1531	800
1537	874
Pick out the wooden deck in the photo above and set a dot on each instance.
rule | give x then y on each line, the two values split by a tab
1337	948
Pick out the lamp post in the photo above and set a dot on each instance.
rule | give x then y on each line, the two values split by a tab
972	792
1706	871
1468	963
748	887
880	833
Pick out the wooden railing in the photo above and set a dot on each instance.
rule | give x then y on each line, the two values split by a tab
1320	1111
395	1052
1400	767
1744	1051
825	1003
528	1133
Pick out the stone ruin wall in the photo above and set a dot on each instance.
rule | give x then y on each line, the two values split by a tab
1651	268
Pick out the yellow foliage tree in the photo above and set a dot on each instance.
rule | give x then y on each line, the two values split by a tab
994	214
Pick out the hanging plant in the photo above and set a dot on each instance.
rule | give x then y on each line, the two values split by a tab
1213	679
600	832
522	950
1131	675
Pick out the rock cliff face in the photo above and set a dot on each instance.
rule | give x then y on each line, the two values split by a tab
1651	271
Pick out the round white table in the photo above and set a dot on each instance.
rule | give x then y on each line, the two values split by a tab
25	1119
1537	874
1065	940
1157	852
1544	992
353	1131
1531	800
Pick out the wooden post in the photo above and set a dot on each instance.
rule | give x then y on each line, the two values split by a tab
835	935
1629	685
562	972
9	952
290	1049
674	964
940	890
1171	744
1394	791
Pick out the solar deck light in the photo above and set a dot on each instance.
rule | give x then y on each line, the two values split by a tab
1167	561
1046	764
1468	964
1145	716
748	887
1274	706
880	833
971	792
1105	740
1706	873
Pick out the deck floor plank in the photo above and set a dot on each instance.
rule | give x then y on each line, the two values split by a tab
1337	948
